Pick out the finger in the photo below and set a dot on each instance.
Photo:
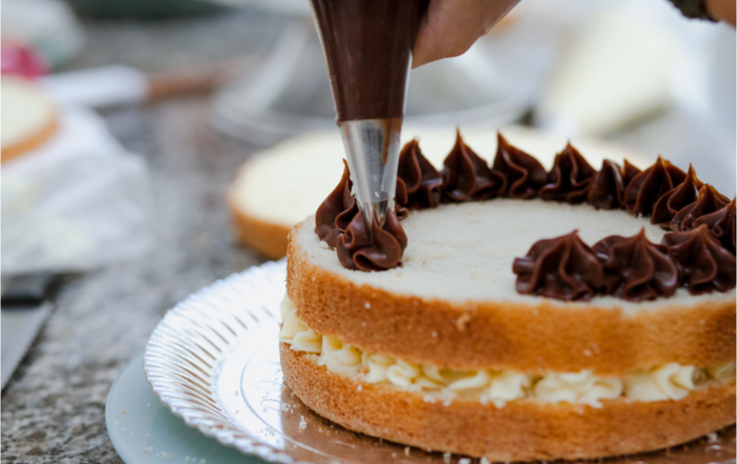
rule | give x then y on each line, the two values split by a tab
450	27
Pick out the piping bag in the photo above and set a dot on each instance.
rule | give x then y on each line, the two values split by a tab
368	49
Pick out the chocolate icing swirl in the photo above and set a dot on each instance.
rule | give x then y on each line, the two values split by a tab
359	249
607	189
699	256
648	186
675	199
466	176
721	224
635	268
336	211
703	263
629	171
521	175
564	268
707	202
419	184
570	178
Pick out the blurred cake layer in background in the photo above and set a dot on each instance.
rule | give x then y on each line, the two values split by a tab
29	117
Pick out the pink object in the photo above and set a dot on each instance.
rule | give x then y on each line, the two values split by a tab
20	60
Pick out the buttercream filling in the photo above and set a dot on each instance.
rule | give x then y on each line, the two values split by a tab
670	381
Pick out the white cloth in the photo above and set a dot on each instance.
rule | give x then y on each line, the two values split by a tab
77	202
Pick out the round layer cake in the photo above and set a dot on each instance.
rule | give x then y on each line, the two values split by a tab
443	353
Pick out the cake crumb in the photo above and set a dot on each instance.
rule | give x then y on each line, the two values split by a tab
484	461
587	352
464	461
360	387
428	399
446	457
446	403
406	451
367	305
499	403
394	455
712	438
302	422
462	321
434	334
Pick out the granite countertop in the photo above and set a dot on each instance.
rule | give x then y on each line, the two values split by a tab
53	407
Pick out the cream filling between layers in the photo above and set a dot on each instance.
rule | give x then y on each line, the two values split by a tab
670	381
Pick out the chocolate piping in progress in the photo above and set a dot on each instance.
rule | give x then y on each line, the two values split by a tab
699	255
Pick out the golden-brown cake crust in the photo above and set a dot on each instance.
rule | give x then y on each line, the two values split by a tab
268	238
522	430
36	140
518	337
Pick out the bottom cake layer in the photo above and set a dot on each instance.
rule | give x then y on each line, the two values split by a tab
520	431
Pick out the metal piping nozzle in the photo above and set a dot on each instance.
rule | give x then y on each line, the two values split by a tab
372	152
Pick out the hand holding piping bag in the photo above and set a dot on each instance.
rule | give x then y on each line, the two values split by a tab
450	27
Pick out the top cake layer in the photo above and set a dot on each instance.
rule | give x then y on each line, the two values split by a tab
464	252
453	302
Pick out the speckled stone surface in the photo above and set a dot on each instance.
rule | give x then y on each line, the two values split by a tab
53	407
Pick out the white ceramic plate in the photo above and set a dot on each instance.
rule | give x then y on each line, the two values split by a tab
214	361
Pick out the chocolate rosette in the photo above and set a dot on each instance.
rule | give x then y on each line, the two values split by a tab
708	201
564	268
419	184
675	199
703	263
360	249
609	184
336	211
569	179
522	176
466	176
636	269
648	186
721	224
